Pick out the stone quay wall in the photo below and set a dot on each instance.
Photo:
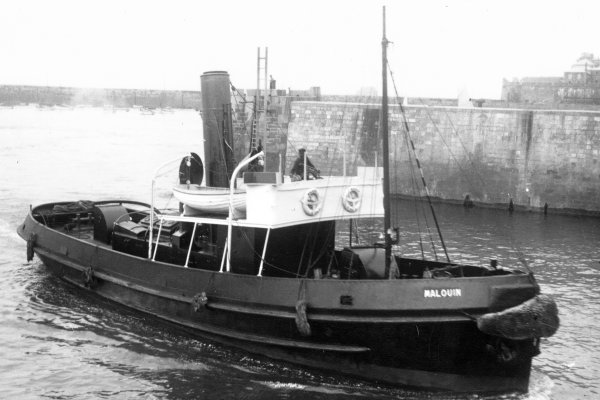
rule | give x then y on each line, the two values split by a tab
11	95
534	157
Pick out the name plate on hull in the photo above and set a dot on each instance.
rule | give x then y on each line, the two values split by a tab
442	293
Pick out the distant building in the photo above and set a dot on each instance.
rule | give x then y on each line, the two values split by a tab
578	86
585	70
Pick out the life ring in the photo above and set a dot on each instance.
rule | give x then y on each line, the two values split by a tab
351	199
311	202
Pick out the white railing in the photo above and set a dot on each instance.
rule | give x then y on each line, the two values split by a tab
151	237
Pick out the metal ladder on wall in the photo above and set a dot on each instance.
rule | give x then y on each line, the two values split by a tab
253	133
259	107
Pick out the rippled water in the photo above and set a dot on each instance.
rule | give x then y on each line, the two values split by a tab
57	342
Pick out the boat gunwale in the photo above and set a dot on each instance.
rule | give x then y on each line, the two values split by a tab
246	276
318	312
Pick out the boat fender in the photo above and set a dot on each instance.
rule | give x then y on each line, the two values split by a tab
30	245
199	301
534	318
351	199
301	318
311	202
88	277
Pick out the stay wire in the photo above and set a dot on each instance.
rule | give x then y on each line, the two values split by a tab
460	167
238	93
407	131
417	199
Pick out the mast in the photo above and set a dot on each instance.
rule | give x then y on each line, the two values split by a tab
386	154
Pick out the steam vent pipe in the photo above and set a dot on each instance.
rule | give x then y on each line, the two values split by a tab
217	128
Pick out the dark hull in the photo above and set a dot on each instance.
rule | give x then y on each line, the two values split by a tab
382	330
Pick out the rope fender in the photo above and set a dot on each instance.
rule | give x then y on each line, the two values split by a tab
301	319
199	301
30	245
534	318
88	277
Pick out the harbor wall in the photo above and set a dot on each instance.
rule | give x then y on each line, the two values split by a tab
11	95
534	157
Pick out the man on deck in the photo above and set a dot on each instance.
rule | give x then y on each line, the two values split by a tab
297	172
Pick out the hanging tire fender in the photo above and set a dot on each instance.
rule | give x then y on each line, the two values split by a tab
30	246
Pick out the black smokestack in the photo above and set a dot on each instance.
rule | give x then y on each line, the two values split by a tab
217	126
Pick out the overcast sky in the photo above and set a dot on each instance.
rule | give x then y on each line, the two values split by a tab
439	47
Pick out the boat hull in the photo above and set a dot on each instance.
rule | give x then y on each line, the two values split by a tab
377	329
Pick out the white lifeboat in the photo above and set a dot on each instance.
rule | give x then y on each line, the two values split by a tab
211	200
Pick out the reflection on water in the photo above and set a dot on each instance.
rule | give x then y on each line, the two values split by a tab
59	343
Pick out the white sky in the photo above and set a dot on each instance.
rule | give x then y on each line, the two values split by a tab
439	47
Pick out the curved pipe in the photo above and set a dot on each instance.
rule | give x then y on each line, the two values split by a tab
237	169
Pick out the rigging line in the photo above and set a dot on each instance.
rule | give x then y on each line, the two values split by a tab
236	90
340	131
323	251
462	170
397	147
418	199
437	225
304	247
419	166
513	246
415	198
235	98
478	175
357	153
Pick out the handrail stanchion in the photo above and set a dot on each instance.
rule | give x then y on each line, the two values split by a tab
262	259
157	238
152	205
305	157
344	158
187	259
224	256
237	169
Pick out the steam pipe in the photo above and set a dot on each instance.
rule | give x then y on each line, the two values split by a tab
237	169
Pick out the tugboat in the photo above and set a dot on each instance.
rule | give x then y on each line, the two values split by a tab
264	273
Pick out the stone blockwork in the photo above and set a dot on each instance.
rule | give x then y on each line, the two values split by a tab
493	155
